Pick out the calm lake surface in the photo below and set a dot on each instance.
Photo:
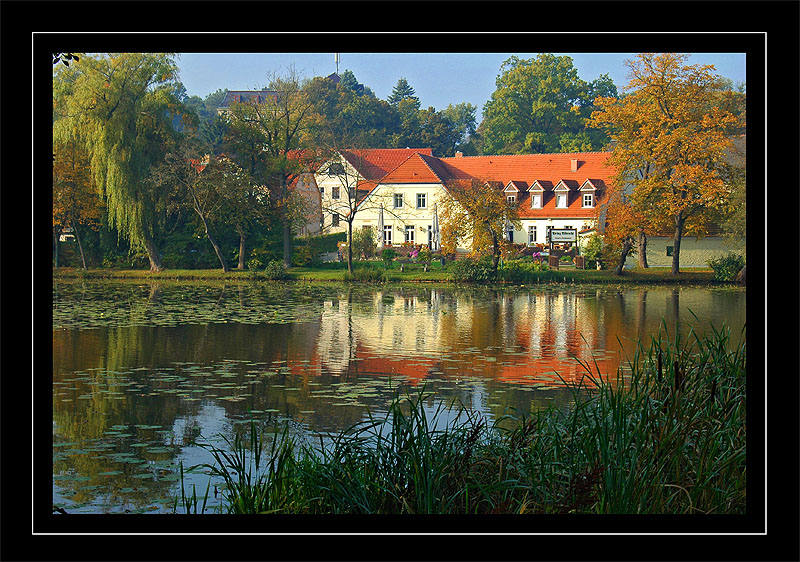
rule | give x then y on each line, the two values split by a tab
143	371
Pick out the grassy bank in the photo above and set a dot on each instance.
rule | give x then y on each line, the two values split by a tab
412	273
669	441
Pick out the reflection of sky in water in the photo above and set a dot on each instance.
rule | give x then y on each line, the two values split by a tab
142	373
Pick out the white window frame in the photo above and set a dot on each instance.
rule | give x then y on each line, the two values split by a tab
536	200
398	198
409	233
511	198
532	234
558	196
591	200
387	235
424	200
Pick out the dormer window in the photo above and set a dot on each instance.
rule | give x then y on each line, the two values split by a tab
511	199
536	200
562	193
588	193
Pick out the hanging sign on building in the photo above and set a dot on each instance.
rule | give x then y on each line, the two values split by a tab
563	235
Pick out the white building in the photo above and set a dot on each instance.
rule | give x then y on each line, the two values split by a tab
405	185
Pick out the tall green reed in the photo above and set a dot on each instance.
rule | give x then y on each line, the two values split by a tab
667	437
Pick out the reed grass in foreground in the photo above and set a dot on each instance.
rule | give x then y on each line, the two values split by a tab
670	440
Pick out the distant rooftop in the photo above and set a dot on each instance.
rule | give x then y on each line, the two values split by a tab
238	96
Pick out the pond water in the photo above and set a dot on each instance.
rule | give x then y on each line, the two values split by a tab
142	371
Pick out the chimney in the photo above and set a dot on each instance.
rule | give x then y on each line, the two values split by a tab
574	164
459	154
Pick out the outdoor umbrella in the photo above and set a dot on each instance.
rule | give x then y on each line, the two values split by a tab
435	230
380	227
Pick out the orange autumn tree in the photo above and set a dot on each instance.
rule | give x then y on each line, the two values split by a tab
476	212
622	223
670	134
75	201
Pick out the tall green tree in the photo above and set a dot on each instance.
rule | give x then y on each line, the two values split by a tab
402	91
350	82
270	134
462	117
120	106
203	183
438	132
343	113
541	105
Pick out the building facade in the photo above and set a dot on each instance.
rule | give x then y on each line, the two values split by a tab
397	191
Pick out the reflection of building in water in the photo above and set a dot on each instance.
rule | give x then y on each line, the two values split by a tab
519	336
418	324
336	344
522	337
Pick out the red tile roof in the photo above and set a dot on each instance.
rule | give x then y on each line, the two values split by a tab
416	169
530	167
374	163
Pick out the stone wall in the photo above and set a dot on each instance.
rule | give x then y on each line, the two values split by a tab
695	252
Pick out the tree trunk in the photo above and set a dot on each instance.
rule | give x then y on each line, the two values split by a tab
217	251
676	250
641	249
350	247
741	277
626	248
495	249
56	236
287	228
152	254
242	245
78	239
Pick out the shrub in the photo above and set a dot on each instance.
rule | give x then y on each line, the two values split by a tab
425	255
387	255
275	270
520	271
726	267
365	243
302	256
593	250
325	243
475	270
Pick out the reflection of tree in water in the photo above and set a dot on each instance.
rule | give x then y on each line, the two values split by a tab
344	350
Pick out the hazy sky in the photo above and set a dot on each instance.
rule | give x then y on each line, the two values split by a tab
438	78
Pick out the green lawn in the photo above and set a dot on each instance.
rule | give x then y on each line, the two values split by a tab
412	273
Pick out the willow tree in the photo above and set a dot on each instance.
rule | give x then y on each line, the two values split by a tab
120	107
675	121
